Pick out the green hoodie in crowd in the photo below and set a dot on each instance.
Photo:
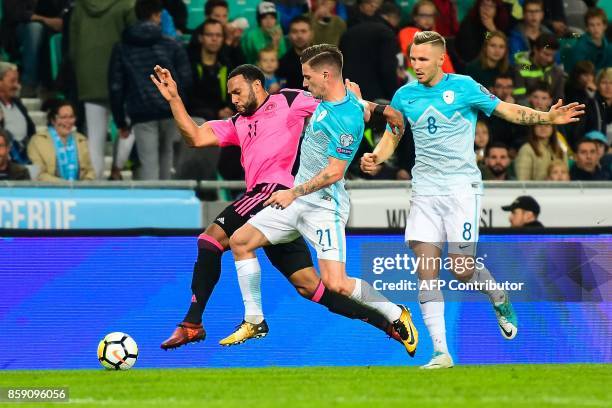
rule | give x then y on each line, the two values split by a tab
95	27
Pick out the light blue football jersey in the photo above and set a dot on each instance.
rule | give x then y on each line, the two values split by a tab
335	130
443	121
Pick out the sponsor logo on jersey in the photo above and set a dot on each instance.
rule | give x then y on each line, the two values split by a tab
346	140
306	93
221	220
270	107
448	96
343	150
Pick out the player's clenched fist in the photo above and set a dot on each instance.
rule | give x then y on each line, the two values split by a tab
368	164
164	82
281	199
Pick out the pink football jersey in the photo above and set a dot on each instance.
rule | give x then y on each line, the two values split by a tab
270	137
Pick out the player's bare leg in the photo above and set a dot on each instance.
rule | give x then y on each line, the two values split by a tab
243	243
479	274
333	275
431	301
206	272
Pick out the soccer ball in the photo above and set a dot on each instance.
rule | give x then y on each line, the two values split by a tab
117	351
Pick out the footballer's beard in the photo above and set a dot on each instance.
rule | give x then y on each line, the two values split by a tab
251	104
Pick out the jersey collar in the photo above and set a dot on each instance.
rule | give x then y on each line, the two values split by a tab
340	102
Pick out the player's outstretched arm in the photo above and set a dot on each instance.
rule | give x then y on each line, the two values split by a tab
329	175
558	114
194	135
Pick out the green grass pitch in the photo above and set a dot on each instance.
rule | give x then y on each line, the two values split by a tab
571	385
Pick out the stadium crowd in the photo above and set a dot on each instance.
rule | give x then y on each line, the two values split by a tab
99	99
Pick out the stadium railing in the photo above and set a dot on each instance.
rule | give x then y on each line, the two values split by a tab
350	184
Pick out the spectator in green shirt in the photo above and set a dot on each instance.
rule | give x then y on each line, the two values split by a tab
268	33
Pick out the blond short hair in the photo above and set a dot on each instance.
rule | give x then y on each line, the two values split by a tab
605	73
429	37
557	163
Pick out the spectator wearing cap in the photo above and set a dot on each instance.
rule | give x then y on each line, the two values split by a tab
600	140
524	212
61	153
603	150
536	155
289	67
10	170
370	54
497	163
587	166
14	113
268	33
539	66
593	45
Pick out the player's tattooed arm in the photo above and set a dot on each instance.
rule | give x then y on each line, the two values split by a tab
194	135
558	114
326	177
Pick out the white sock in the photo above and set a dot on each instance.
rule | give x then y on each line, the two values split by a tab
371	298
249	279
431	302
482	276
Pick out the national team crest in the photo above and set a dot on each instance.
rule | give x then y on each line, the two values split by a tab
321	115
448	96
346	140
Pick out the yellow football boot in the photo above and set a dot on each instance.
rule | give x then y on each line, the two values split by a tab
245	331
407	331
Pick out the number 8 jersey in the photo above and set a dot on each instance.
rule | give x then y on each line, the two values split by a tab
443	121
